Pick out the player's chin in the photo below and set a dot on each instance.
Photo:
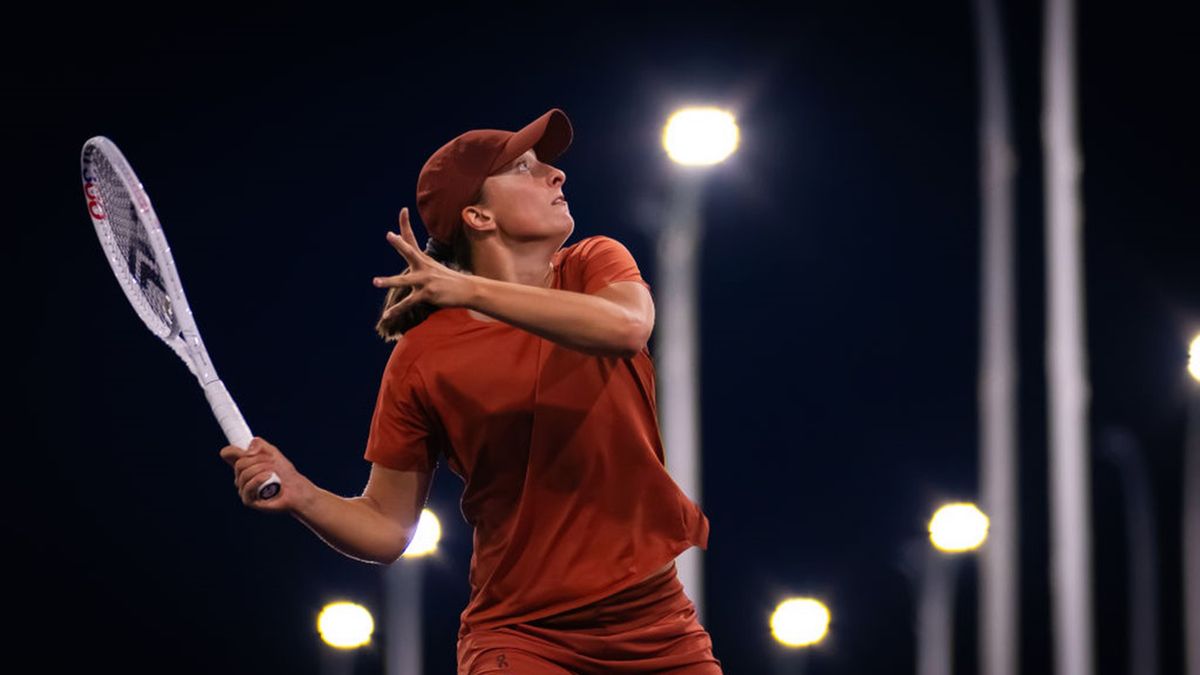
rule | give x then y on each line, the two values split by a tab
558	227
561	212
565	223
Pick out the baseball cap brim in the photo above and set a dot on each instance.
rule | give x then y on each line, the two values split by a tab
549	136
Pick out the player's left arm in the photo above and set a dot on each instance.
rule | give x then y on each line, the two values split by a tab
637	301
614	321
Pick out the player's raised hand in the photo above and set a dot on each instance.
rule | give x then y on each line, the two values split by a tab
427	279
254	465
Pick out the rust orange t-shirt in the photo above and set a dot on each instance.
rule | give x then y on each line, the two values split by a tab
560	452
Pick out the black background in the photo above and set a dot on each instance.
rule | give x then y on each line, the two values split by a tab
840	291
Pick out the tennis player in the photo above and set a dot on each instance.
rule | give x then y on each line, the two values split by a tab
524	366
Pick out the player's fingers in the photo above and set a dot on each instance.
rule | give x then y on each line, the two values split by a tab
409	251
255	448
398	280
250	462
231	454
406	229
259	444
252	480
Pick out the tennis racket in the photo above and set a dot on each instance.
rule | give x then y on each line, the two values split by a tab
136	248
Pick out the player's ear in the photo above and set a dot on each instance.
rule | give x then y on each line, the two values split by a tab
478	217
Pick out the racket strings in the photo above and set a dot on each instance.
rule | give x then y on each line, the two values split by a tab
131	243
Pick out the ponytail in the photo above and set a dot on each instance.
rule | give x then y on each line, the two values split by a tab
439	251
456	256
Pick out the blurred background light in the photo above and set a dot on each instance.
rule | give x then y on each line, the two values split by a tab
700	136
345	625
800	622
958	527
429	532
1194	358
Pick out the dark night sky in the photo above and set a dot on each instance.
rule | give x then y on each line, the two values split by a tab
839	301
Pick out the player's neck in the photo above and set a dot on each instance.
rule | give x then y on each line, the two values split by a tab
530	265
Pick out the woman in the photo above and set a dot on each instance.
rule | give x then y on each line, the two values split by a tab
524	364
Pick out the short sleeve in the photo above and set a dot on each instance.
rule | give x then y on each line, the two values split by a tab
604	260
402	435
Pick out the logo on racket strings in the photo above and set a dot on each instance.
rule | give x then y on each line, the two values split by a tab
95	208
142	266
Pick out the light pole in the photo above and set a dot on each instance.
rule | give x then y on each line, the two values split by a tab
695	139
1191	514
954	529
999	572
798	624
344	627
1068	391
402	611
1123	450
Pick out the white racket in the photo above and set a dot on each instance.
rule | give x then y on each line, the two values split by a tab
137	250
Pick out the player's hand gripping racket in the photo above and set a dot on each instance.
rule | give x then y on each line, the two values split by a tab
137	250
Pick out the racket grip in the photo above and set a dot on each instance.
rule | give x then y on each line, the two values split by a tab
237	432
270	487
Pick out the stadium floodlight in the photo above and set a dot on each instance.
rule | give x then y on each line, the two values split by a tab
425	541
1194	358
800	622
345	625
959	527
700	136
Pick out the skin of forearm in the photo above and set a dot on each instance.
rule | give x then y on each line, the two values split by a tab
353	526
579	321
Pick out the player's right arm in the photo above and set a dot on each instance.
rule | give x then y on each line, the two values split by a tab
374	527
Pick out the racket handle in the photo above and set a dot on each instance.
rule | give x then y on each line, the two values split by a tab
270	488
236	430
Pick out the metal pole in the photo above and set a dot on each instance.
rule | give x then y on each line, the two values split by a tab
933	575
402	618
935	619
678	356
1123	449
999	567
1191	532
336	661
1070	531
789	660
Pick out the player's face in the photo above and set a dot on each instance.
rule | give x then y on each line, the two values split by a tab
521	197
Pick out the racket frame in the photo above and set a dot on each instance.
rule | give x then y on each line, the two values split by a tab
182	336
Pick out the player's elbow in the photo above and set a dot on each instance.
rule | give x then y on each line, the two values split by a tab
635	337
393	552
390	542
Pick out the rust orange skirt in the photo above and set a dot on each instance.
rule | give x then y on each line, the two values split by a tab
648	628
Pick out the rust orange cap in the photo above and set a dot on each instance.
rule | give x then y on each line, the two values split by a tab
454	174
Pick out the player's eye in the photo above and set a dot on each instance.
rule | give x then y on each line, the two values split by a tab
524	163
